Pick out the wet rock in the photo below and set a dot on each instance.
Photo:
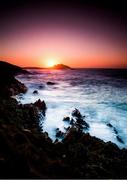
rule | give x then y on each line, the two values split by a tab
109	125
50	83
59	134
79	126
57	129
41	86
67	128
115	130
35	92
80	123
72	121
41	105
56	141
66	119
119	139
76	113
20	96
85	125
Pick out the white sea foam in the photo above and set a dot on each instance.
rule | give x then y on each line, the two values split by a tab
101	98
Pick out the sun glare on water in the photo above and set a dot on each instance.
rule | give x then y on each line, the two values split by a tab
51	62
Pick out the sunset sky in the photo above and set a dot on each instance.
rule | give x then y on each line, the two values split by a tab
71	32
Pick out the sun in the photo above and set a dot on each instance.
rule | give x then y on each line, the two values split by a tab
51	62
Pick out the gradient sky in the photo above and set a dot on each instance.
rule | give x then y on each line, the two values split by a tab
72	32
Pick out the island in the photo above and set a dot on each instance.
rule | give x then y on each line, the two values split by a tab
28	152
60	66
56	66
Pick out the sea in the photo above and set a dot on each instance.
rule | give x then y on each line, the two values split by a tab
99	94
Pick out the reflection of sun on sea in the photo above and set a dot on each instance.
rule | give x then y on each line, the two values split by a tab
51	62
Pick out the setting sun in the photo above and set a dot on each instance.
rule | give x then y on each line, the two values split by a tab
51	62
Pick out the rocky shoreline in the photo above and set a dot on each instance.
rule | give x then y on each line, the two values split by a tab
27	152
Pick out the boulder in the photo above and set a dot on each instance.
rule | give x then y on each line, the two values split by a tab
76	113
119	139
41	86
80	123
41	105
66	119
109	125
35	92
59	134
50	83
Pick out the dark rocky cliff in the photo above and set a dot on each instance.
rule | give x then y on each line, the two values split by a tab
10	85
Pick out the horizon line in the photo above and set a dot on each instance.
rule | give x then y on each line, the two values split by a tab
36	67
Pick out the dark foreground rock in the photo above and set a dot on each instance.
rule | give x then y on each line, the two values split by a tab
26	152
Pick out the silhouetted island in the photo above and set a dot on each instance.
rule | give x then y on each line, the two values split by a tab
27	152
61	66
57	66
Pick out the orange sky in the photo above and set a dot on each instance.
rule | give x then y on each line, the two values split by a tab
79	63
73	36
75	50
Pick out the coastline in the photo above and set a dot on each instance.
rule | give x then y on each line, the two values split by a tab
26	152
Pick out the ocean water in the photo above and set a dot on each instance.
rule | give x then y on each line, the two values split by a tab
99	94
